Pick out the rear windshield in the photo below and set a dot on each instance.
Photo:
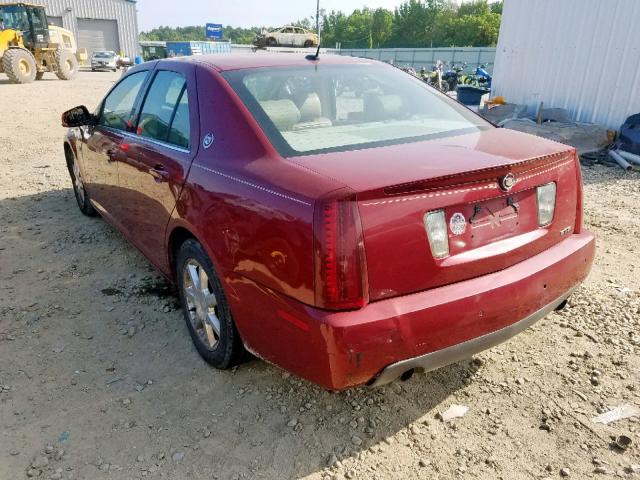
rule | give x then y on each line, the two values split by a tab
104	54
333	108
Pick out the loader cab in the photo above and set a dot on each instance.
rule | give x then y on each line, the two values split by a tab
29	20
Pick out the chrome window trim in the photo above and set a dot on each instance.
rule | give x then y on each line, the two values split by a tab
152	141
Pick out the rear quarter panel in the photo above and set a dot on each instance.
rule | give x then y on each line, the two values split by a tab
252	211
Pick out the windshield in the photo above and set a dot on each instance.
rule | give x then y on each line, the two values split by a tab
104	54
15	18
333	108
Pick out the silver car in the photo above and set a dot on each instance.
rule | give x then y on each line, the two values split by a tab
104	60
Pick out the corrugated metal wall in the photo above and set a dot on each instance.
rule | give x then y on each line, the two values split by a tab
123	11
582	55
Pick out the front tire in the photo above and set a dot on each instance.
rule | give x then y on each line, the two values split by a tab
19	65
82	197
67	64
308	44
205	307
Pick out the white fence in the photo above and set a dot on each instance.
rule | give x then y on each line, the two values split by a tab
414	57
426	57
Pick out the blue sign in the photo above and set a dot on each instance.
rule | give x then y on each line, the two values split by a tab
214	30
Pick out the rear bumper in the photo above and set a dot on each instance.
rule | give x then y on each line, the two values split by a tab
425	330
461	351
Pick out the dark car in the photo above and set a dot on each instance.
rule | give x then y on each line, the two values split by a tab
349	235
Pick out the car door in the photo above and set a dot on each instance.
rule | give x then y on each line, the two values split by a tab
102	143
287	37
159	157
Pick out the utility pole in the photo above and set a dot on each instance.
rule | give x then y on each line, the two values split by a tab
318	17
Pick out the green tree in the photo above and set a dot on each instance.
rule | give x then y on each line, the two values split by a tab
497	7
381	27
415	23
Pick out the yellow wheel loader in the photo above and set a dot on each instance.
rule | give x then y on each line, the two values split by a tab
28	48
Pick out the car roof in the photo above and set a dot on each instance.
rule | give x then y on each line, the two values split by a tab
236	61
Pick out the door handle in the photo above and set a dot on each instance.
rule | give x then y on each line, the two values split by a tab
159	173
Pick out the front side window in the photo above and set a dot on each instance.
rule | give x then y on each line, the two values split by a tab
165	114
14	18
38	19
118	106
325	108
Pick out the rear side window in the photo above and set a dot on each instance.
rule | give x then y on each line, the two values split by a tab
118	106
165	113
180	128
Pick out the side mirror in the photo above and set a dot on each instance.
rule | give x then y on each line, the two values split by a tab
77	117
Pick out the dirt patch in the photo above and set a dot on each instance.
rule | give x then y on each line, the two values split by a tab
99	379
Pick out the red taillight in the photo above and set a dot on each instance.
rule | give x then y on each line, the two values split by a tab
341	280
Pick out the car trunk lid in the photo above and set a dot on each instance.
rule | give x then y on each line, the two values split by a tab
489	227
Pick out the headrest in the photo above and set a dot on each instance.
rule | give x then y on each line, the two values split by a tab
382	106
311	108
283	113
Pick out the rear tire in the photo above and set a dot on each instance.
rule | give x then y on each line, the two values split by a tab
67	64
308	44
271	42
39	75
19	65
205	307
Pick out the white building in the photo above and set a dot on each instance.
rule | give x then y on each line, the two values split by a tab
582	55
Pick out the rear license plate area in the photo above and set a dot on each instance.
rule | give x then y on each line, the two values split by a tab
476	224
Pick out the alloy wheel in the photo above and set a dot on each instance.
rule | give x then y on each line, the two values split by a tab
202	304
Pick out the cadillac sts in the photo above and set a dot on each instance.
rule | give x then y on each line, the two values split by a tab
331	215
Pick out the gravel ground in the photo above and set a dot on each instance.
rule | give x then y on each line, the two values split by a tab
98	377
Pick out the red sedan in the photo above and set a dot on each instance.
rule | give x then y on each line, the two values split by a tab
334	216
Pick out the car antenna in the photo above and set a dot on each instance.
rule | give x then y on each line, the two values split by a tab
316	56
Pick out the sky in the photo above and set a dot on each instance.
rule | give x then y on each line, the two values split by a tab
241	13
